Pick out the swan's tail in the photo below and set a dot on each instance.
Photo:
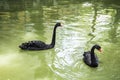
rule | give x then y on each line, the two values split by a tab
23	46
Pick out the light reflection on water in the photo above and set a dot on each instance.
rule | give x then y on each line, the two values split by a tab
16	67
75	39
84	25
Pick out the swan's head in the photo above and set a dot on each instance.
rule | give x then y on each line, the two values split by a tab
98	47
58	24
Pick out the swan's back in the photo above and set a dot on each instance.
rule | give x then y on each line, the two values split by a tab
87	58
33	45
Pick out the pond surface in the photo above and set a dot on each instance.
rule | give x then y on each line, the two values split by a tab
84	24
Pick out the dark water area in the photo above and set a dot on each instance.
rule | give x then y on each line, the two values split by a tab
85	23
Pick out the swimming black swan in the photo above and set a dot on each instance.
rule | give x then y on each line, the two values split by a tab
90	58
39	45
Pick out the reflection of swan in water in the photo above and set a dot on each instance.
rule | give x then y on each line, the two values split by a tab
90	58
114	31
39	45
93	23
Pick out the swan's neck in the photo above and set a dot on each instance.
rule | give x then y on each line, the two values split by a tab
53	37
92	54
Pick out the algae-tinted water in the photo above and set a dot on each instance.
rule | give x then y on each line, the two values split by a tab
85	23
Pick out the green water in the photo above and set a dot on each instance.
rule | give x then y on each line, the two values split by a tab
85	23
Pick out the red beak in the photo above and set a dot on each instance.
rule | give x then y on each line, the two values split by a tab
61	25
100	50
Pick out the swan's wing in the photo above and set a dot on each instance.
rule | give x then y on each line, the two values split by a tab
36	44
32	45
87	58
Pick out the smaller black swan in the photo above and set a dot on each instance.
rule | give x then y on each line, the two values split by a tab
39	45
90	58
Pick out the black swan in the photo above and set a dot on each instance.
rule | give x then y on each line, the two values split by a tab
39	45
90	58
